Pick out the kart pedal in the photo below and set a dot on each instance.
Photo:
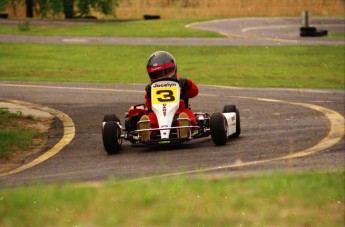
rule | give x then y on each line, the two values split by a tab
183	120
144	123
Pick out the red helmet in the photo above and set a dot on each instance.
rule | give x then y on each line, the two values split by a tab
161	64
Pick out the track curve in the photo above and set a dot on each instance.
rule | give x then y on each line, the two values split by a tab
271	130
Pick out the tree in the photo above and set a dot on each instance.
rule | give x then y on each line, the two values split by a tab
70	8
3	4
79	8
104	6
29	8
67	8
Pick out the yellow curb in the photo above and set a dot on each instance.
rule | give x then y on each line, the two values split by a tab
68	135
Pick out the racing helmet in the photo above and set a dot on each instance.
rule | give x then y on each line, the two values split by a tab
161	64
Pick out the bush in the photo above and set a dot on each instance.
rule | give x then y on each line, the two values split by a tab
25	26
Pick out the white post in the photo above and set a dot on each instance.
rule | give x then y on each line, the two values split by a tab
305	18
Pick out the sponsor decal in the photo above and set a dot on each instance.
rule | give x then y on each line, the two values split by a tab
166	92
164	109
155	69
164	85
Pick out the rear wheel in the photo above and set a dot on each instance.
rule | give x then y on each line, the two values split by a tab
112	137
233	109
218	127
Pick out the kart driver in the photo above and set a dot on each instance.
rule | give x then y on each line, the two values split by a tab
162	64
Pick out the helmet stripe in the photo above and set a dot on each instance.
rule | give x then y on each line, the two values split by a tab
160	67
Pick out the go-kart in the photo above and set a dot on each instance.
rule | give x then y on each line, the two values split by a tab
165	101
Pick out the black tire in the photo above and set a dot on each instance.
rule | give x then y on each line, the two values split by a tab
152	17
321	33
229	109
111	137
317	33
307	29
110	117
232	109
218	127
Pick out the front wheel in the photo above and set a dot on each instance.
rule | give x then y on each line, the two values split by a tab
110	117
112	137
218	127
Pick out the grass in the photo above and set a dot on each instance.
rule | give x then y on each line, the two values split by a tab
140	28
337	35
308	199
13	135
288	66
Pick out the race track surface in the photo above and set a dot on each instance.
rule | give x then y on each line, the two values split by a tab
282	129
276	124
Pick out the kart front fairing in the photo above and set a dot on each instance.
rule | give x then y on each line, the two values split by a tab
165	101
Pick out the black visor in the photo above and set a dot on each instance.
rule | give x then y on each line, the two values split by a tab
161	73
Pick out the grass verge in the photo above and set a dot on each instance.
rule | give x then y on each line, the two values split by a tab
13	133
286	66
337	35
140	28
308	199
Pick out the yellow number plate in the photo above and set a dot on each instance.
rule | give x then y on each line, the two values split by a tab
164	95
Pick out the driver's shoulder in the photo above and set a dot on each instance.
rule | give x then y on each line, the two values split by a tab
183	82
148	88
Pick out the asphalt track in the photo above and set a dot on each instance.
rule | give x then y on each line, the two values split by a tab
282	130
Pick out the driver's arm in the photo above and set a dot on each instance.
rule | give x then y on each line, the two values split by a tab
148	97
192	90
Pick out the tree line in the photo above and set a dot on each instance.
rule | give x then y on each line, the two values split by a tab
69	8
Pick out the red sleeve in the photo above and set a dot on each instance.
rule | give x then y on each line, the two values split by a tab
192	91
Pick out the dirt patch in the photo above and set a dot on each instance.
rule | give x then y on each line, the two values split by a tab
20	156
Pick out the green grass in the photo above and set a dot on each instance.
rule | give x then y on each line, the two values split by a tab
148	28
309	199
337	35
13	136
288	66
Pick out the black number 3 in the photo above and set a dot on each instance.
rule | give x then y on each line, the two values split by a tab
168	96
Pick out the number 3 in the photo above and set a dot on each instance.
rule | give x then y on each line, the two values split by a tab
168	96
